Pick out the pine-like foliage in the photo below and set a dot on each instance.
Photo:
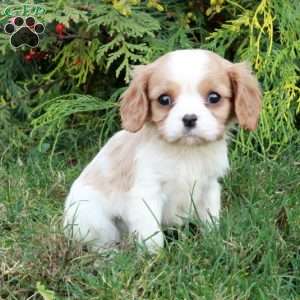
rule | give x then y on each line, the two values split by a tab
266	36
68	87
127	43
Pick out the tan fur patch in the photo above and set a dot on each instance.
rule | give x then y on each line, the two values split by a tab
247	95
220	84
140	103
159	85
120	174
134	107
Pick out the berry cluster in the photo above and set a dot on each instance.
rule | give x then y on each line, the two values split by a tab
35	55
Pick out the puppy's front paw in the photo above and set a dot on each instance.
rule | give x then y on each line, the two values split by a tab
153	243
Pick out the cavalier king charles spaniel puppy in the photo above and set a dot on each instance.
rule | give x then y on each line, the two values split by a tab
165	164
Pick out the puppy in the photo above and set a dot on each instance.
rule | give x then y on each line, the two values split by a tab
165	164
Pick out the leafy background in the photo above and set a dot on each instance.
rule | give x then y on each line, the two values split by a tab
65	96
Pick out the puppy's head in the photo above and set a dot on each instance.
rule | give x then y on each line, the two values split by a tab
191	96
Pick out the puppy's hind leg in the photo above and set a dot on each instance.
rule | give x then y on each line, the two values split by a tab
86	220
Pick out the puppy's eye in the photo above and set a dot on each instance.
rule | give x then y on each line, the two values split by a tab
213	97
165	100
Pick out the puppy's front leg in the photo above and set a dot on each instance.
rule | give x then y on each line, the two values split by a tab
210	203
144	219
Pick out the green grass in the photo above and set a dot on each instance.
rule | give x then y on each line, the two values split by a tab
255	254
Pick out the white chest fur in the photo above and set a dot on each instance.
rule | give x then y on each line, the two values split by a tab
182	174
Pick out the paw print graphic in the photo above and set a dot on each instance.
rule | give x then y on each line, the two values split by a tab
24	33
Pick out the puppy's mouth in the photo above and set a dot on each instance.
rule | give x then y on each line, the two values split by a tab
193	137
190	138
185	139
189	133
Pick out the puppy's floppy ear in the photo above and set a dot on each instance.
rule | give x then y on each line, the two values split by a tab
246	95
134	102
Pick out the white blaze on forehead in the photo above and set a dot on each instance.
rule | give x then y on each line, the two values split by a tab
188	67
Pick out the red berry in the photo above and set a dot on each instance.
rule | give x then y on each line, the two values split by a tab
28	57
59	28
77	61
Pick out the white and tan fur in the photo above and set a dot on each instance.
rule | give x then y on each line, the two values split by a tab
148	174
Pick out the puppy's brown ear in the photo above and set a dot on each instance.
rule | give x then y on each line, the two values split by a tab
246	95
134	107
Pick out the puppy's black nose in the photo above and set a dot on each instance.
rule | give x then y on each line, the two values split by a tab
189	121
